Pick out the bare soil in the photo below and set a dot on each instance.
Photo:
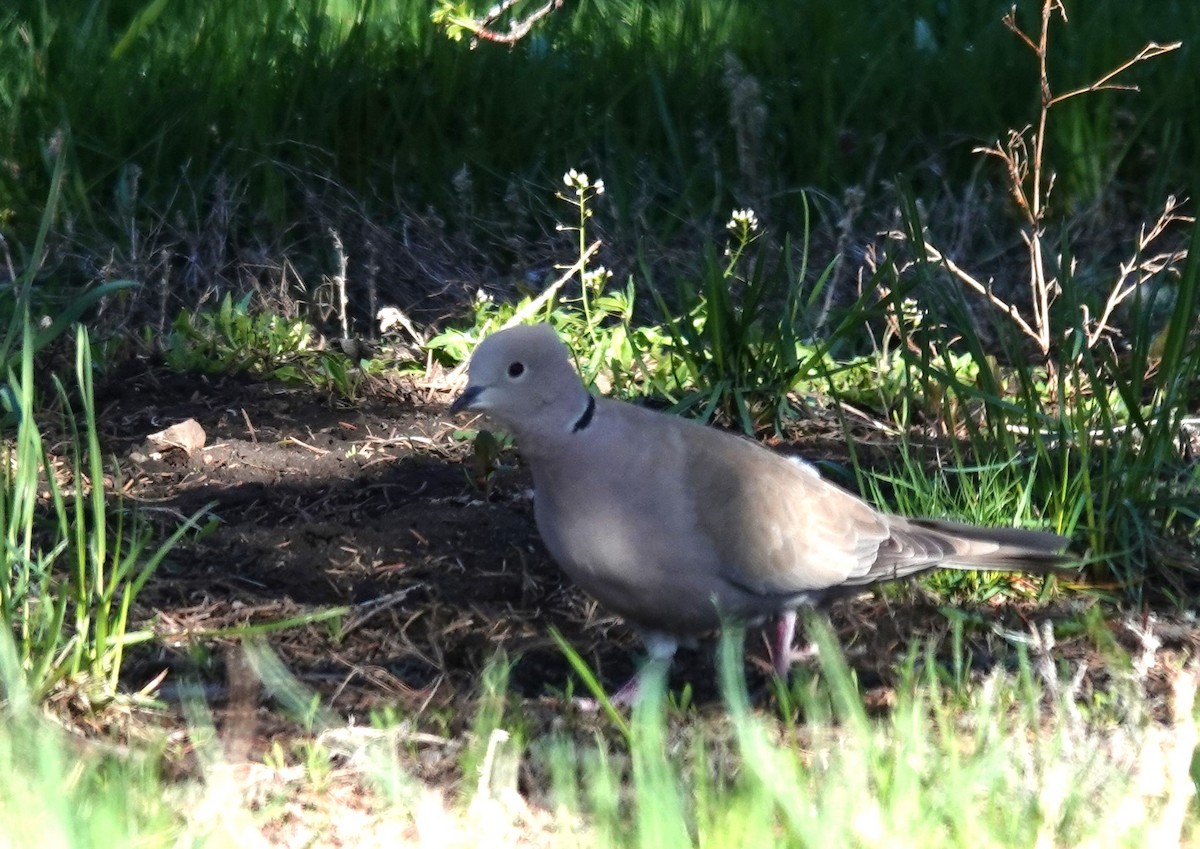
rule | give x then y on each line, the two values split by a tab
372	506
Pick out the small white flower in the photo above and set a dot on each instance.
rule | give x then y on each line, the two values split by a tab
744	220
576	180
581	182
596	278
912	312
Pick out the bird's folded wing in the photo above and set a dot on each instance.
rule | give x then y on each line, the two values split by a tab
779	528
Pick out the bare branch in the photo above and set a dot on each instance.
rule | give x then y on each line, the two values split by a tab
1010	21
1137	270
518	29
932	254
1150	51
1030	185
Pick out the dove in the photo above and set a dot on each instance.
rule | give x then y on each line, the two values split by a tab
678	527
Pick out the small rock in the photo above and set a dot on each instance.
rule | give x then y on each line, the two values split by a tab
187	435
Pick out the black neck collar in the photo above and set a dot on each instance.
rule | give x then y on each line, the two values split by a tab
586	418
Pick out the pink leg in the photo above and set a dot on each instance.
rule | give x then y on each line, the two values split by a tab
661	649
624	697
627	695
781	648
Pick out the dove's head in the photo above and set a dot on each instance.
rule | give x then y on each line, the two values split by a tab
523	378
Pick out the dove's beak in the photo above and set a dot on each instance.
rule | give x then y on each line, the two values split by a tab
466	400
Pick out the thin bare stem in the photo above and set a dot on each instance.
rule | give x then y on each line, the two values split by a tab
1031	187
529	310
481	28
339	282
1138	269
932	254
1150	51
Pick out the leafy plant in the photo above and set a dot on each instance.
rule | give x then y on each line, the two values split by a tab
237	338
596	321
737	343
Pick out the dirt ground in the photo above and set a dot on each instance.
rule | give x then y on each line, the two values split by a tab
371	506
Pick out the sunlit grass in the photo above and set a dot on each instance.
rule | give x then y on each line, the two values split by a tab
220	117
1013	758
1000	762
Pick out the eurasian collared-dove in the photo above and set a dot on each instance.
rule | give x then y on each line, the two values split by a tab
678	527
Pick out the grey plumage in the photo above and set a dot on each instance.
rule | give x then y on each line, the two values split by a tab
678	527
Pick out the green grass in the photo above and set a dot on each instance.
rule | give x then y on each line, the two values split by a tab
52	797
172	141
988	765
1017	758
1090	437
73	559
187	108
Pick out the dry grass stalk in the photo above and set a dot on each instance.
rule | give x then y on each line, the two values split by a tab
1030	184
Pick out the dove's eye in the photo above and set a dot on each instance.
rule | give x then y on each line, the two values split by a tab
516	370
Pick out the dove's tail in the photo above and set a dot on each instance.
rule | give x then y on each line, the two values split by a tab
1001	549
919	545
